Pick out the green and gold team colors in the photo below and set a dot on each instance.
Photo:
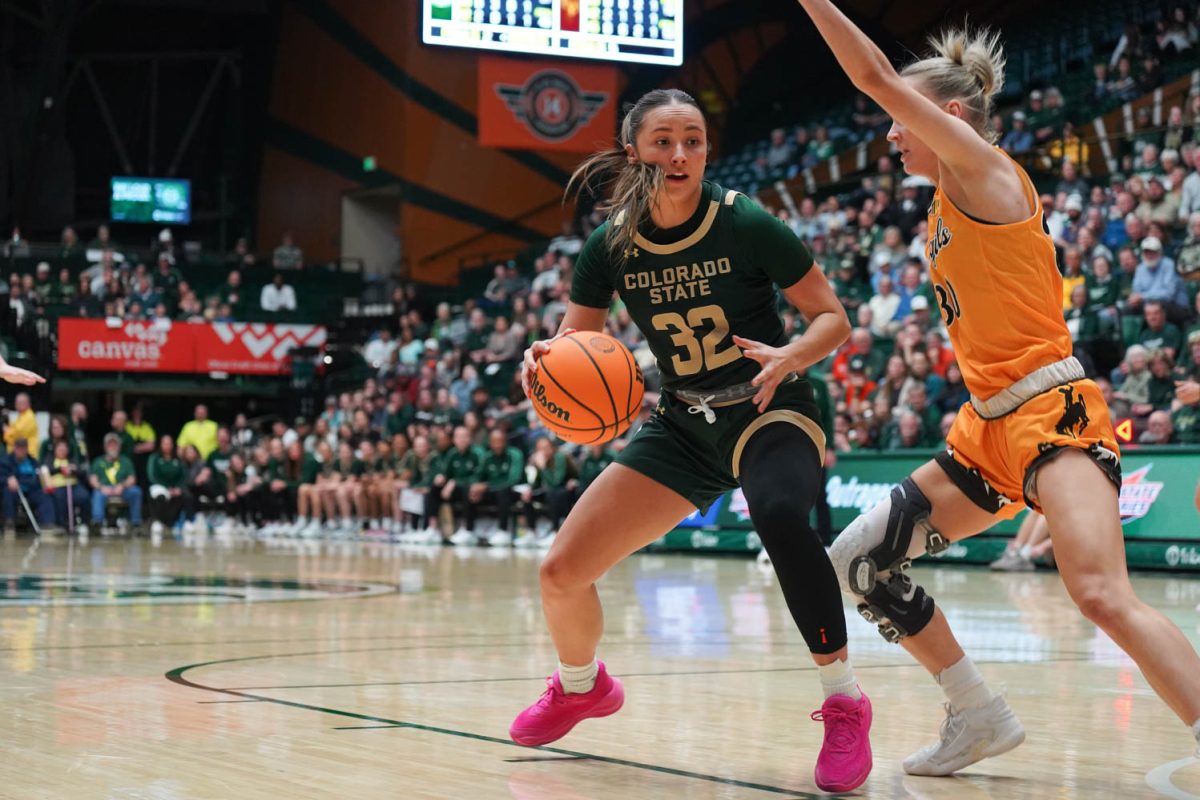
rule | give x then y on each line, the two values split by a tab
503	471
690	289
462	466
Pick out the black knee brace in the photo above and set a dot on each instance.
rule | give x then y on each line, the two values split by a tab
909	510
899	607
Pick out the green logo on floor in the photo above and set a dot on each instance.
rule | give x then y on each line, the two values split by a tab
98	589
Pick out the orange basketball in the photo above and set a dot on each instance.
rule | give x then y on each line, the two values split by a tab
587	389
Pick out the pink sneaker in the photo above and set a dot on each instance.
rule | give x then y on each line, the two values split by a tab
845	759
556	713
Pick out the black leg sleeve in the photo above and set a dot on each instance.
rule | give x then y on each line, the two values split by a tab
781	476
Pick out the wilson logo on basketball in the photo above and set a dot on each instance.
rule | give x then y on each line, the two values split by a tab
537	393
602	344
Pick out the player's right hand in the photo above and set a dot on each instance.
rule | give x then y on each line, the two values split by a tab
19	376
535	352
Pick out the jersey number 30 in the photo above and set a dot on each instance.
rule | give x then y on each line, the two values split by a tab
701	353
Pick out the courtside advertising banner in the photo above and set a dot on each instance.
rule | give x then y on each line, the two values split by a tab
238	348
248	348
544	105
130	346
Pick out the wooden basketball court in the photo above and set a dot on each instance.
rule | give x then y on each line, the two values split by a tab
310	670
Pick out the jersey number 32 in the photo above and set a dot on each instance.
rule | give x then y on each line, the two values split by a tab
701	353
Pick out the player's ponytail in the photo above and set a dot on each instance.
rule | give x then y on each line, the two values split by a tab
631	187
967	66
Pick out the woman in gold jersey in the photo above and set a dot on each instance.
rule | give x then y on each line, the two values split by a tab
1035	432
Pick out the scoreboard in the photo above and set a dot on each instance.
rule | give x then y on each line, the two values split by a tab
641	31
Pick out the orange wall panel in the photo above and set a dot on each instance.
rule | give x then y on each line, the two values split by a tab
298	195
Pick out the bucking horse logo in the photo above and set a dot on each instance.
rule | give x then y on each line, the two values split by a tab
1074	413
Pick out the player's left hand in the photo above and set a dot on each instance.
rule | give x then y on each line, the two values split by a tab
24	377
775	367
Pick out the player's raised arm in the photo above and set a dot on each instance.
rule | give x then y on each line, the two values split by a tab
951	135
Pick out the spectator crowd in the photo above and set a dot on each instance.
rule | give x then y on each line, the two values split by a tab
441	434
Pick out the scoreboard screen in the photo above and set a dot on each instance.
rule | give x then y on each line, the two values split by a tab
641	31
151	200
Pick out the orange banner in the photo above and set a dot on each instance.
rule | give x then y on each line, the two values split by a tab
545	105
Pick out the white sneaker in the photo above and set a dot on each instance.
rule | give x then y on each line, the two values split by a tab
428	536
545	540
525	538
300	524
156	528
969	736
500	538
313	531
81	529
463	536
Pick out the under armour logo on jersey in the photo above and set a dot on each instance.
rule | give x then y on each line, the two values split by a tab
632	252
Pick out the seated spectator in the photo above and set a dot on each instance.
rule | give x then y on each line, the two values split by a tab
287	255
64	476
779	154
277	296
1100	81
23	426
1083	321
1122	86
1185	408
858	387
1131	395
169	495
1162	380
112	476
496	292
1072	273
504	344
502	468
379	350
905	433
554	470
457	470
955	392
268	495
241	257
1018	140
1071	183
200	432
849	289
1157	333
1158	206
1156	279
21	475
884	306
820	148
1159	429
1187	262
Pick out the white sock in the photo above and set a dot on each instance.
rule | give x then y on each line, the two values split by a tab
964	686
838	678
578	680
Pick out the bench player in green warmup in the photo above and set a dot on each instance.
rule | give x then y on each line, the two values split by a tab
698	268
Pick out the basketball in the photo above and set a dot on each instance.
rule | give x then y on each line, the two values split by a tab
587	389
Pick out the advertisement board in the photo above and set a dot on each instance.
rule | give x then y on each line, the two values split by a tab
237	348
1158	515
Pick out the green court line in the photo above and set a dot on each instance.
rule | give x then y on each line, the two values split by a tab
177	676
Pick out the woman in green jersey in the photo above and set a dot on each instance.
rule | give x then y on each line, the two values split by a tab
698	268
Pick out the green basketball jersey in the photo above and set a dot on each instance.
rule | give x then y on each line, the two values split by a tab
691	288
